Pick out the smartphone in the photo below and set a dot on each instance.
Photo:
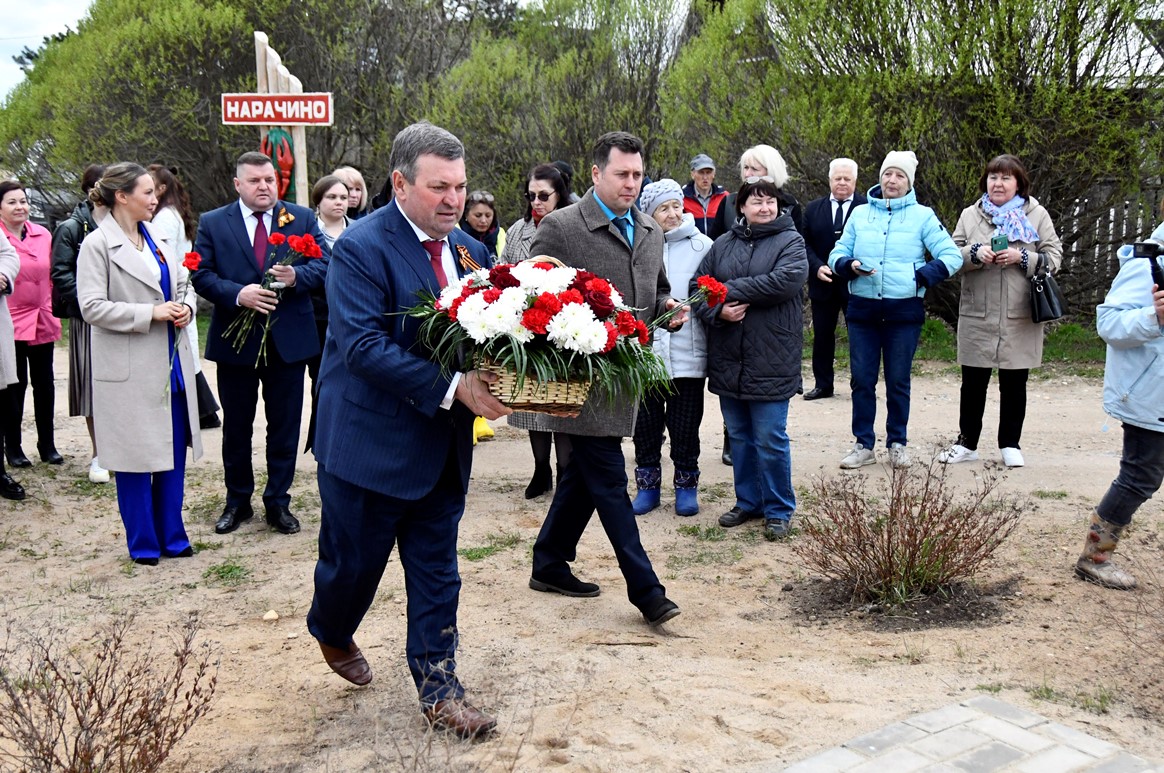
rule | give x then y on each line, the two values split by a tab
863	271
998	243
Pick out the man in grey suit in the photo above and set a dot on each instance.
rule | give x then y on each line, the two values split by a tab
604	233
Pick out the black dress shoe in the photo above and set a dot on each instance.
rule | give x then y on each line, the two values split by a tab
736	517
280	519
51	456
16	457
659	610
10	489
231	517
818	393
568	585
150	561
209	421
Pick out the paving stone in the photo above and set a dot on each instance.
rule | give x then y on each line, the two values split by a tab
935	721
941	767
900	760
831	761
950	743
1061	759
1075	739
887	737
1121	763
1023	740
1012	714
993	756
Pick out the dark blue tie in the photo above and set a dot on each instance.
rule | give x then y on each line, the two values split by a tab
839	218
623	224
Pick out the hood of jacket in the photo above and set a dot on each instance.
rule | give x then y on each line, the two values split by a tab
877	200
745	230
684	230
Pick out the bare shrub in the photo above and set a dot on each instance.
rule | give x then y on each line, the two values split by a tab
120	708
914	535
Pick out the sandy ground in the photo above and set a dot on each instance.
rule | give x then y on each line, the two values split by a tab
760	667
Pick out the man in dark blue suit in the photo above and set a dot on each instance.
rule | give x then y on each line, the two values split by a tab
824	220
235	244
394	436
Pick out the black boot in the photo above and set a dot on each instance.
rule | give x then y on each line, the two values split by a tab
542	481
727	448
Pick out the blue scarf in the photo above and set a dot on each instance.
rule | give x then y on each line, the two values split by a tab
1010	219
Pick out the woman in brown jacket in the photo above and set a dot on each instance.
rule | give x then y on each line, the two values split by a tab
994	317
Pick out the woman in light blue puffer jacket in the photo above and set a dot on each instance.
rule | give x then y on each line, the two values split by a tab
882	255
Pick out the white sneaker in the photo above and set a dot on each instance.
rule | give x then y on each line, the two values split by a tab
1012	457
898	456
858	457
97	473
957	454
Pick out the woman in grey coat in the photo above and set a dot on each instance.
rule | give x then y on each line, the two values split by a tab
754	341
137	297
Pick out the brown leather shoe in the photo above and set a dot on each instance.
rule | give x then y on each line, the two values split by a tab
460	717
349	663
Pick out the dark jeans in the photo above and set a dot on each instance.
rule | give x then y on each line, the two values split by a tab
1141	472
761	456
869	344
825	313
595	480
1012	405
33	362
680	412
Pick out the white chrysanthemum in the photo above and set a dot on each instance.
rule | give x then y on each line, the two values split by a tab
504	314
616	296
471	315
536	281
575	328
452	291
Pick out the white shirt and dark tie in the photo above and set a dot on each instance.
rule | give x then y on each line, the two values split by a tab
840	209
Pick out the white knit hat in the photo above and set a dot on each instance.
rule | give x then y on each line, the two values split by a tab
659	192
905	160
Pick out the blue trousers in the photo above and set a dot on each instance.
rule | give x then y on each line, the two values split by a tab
761	456
151	502
594	480
359	529
869	344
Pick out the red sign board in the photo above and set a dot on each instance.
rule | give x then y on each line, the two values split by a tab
277	109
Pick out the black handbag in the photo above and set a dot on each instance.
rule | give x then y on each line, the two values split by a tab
1046	299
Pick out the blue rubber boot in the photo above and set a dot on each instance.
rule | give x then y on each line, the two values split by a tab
649	480
686	492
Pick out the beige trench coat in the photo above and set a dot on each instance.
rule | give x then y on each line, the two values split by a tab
9	267
994	314
131	361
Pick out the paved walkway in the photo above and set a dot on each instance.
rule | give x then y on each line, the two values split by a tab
975	736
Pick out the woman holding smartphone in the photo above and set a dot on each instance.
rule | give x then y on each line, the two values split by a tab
881	253
1003	236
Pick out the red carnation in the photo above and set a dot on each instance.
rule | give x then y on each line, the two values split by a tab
192	261
626	323
456	304
295	242
571	296
548	302
600	303
598	286
715	289
309	247
545	266
276	239
491	294
644	334
535	320
502	277
611	337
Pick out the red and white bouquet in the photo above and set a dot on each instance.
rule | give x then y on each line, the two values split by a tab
544	322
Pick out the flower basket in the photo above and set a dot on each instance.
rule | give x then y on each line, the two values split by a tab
551	333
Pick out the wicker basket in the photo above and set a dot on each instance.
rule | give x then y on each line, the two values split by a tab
556	398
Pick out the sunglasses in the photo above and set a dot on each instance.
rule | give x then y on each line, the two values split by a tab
539	196
764	179
478	197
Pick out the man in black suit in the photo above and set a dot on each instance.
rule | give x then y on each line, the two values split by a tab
239	244
824	220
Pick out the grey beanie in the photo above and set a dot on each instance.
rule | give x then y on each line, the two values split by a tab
659	192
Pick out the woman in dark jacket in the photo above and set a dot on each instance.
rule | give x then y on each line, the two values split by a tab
754	341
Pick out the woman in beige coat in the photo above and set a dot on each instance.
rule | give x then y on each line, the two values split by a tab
136	295
9	268
994	317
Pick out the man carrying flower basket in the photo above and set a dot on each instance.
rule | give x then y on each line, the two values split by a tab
605	234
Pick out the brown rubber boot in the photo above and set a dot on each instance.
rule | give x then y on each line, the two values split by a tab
1095	563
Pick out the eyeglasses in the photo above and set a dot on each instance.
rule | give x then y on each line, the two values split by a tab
764	179
530	196
477	197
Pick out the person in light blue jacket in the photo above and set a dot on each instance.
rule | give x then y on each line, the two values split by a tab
685	354
1131	321
882	255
